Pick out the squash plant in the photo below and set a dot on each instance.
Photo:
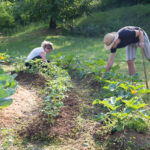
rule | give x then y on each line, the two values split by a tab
7	88
123	103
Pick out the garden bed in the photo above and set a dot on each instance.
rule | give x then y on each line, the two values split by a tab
26	119
25	112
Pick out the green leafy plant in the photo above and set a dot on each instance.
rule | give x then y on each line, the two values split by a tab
120	111
4	58
19	63
7	88
58	82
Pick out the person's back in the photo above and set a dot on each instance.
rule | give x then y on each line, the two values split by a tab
39	53
130	28
130	37
34	53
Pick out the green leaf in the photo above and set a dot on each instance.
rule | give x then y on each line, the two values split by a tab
100	62
144	91
96	101
4	93
145	113
128	110
5	102
1	71
106	104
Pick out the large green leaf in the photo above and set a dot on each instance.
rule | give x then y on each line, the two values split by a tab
108	105
134	104
145	113
4	93
5	102
7	88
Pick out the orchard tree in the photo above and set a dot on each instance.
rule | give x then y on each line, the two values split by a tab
64	10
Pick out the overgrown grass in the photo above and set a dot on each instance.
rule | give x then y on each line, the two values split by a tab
99	23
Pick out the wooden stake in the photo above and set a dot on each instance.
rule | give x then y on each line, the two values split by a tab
142	51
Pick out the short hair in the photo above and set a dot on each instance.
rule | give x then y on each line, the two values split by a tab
47	44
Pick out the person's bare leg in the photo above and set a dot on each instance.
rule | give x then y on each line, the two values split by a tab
131	67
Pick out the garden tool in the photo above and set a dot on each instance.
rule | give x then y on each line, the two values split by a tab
142	51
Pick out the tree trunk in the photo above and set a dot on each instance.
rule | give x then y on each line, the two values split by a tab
52	24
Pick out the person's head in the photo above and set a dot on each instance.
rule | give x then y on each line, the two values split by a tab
109	40
48	46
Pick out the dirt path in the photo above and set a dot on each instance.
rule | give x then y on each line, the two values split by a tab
26	103
24	115
25	106
85	139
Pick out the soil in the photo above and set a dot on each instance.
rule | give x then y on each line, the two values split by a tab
42	128
25	110
26	102
74	124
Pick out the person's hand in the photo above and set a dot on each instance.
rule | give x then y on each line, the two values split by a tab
141	44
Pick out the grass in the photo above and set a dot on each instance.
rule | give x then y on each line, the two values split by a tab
99	23
85	47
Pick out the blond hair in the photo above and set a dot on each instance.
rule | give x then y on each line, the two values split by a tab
47	44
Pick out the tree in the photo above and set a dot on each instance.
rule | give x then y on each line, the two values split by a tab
64	10
56	11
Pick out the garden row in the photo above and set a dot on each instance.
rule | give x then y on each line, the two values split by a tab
122	95
57	83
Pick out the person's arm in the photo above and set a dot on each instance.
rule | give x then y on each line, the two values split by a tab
139	34
43	55
110	61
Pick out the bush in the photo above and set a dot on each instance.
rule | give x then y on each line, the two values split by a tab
6	20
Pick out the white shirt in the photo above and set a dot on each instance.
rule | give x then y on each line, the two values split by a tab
34	53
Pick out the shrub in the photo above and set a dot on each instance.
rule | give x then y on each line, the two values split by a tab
6	19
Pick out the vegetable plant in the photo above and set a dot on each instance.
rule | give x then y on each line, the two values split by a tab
7	88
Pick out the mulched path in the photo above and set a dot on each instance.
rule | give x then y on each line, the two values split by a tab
25	115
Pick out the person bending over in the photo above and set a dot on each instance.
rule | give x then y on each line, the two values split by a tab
39	53
130	37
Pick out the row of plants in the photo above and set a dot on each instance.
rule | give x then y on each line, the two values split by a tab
57	84
122	95
125	106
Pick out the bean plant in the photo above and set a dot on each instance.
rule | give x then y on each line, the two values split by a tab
58	83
